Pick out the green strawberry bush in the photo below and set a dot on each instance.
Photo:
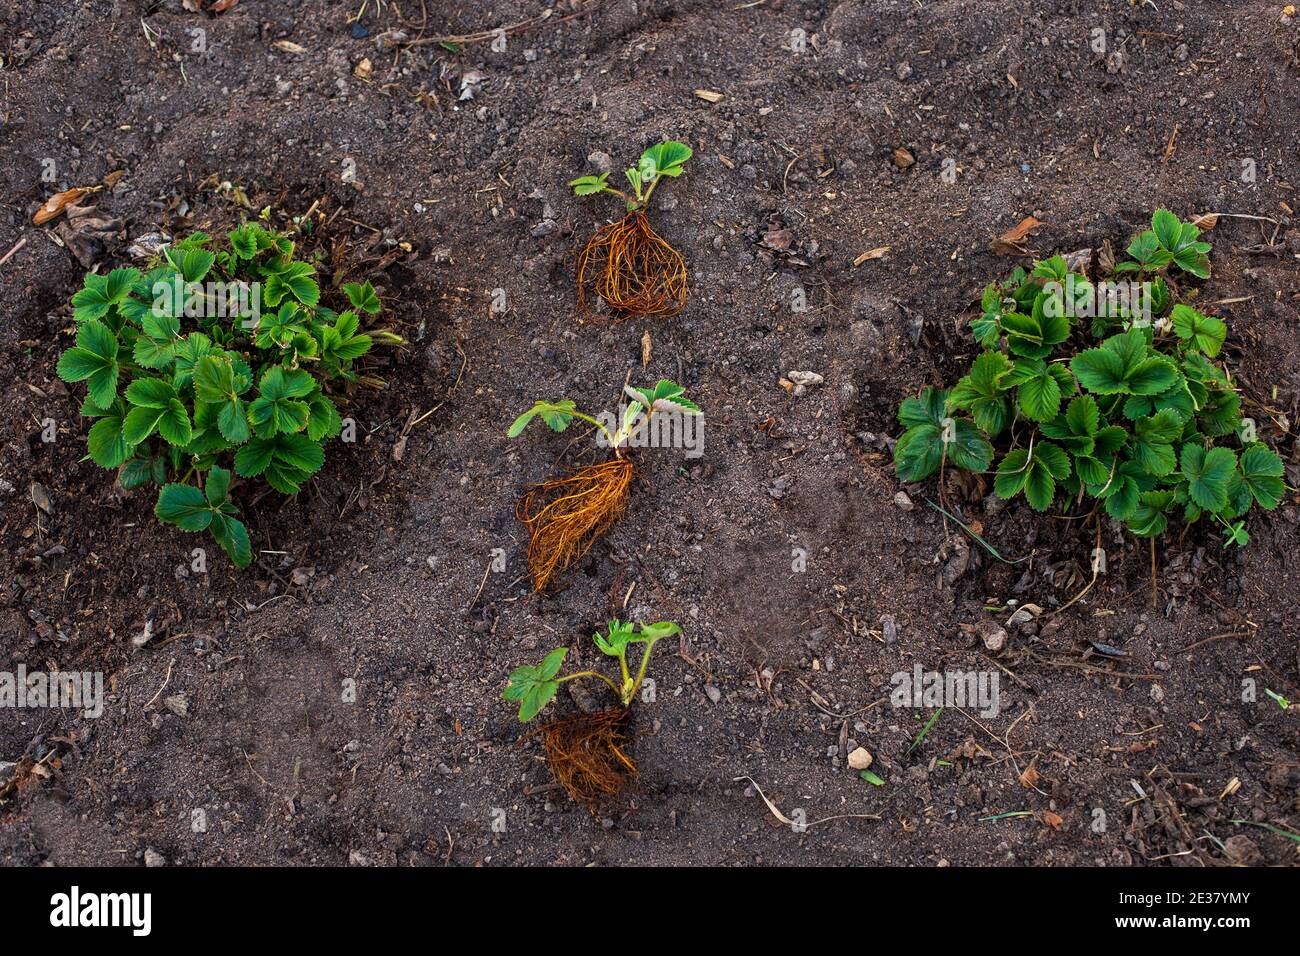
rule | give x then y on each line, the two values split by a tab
180	389
1130	406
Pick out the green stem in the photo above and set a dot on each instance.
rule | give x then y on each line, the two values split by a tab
640	674
621	195
608	436
653	183
577	674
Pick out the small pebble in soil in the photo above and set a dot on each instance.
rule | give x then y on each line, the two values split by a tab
903	501
860	759
992	634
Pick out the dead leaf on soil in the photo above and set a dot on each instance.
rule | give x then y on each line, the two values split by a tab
288	46
41	498
646	347
1010	243
1029	777
87	234
60	201
777	238
876	253
1053	820
221	6
1106	258
710	96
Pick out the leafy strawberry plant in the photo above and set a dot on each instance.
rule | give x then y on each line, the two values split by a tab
1134	411
215	355
533	687
1168	242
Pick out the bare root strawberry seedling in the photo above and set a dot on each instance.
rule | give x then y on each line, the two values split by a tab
187	376
566	516
587	752
626	263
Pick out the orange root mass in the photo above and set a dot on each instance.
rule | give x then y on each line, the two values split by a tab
633	269
565	517
586	755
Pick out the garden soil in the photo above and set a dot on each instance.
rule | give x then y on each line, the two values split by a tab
340	701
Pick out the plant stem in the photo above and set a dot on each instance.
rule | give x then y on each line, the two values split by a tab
608	437
640	674
577	674
653	183
621	195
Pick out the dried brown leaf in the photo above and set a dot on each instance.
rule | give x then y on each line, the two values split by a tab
1011	242
55	205
876	253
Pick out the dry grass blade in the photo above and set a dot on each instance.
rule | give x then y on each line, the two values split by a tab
566	516
633	269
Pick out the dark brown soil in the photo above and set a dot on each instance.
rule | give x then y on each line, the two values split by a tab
378	573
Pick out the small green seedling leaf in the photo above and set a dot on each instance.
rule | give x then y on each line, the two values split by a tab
588	185
557	416
1199	332
362	296
665	396
535	686
664	159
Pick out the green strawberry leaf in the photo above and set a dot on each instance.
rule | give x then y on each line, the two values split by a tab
1207	474
362	296
93	360
1261	471
1202	333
